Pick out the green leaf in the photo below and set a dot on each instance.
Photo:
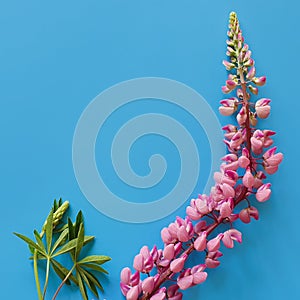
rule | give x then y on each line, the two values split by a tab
96	259
66	248
80	241
94	267
81	286
90	282
59	272
39	240
78	222
88	239
30	243
55	205
62	272
49	230
60	240
71	230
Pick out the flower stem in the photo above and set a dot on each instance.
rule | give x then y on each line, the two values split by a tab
36	275
63	282
47	277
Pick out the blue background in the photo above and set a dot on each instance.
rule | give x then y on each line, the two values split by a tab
56	56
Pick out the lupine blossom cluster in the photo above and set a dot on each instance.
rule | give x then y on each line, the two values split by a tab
163	273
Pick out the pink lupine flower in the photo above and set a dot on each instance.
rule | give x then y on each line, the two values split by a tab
241	174
236	140
256	143
230	131
244	160
200	242
178	264
185	282
272	160
160	295
133	293
226	208
169	252
227	190
192	277
214	244
125	275
211	260
148	284
241	116
228	107
230	236
258	179
248	179
231	162
260	81
200	226
263	193
225	89
246	214
228	65
173	293
263	108
226	176
202	204
138	262
166	236
143	262
251	73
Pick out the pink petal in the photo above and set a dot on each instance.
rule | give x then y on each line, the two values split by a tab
185	282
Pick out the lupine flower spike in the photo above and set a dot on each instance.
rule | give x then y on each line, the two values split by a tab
242	178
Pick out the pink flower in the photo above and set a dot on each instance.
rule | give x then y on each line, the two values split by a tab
248	179
211	260
200	242
214	244
229	66
251	73
173	293
263	193
258	179
169	252
246	214
228	107
230	236
160	295
241	116
178	264
148	284
263	108
133	293
272	160
244	160
260	81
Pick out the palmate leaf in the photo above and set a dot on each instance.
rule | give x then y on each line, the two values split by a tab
49	230
82	287
72	245
39	240
94	267
96	259
62	272
89	282
31	243
59	240
80	241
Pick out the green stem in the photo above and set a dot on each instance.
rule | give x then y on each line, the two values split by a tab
47	277
63	282
36	275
